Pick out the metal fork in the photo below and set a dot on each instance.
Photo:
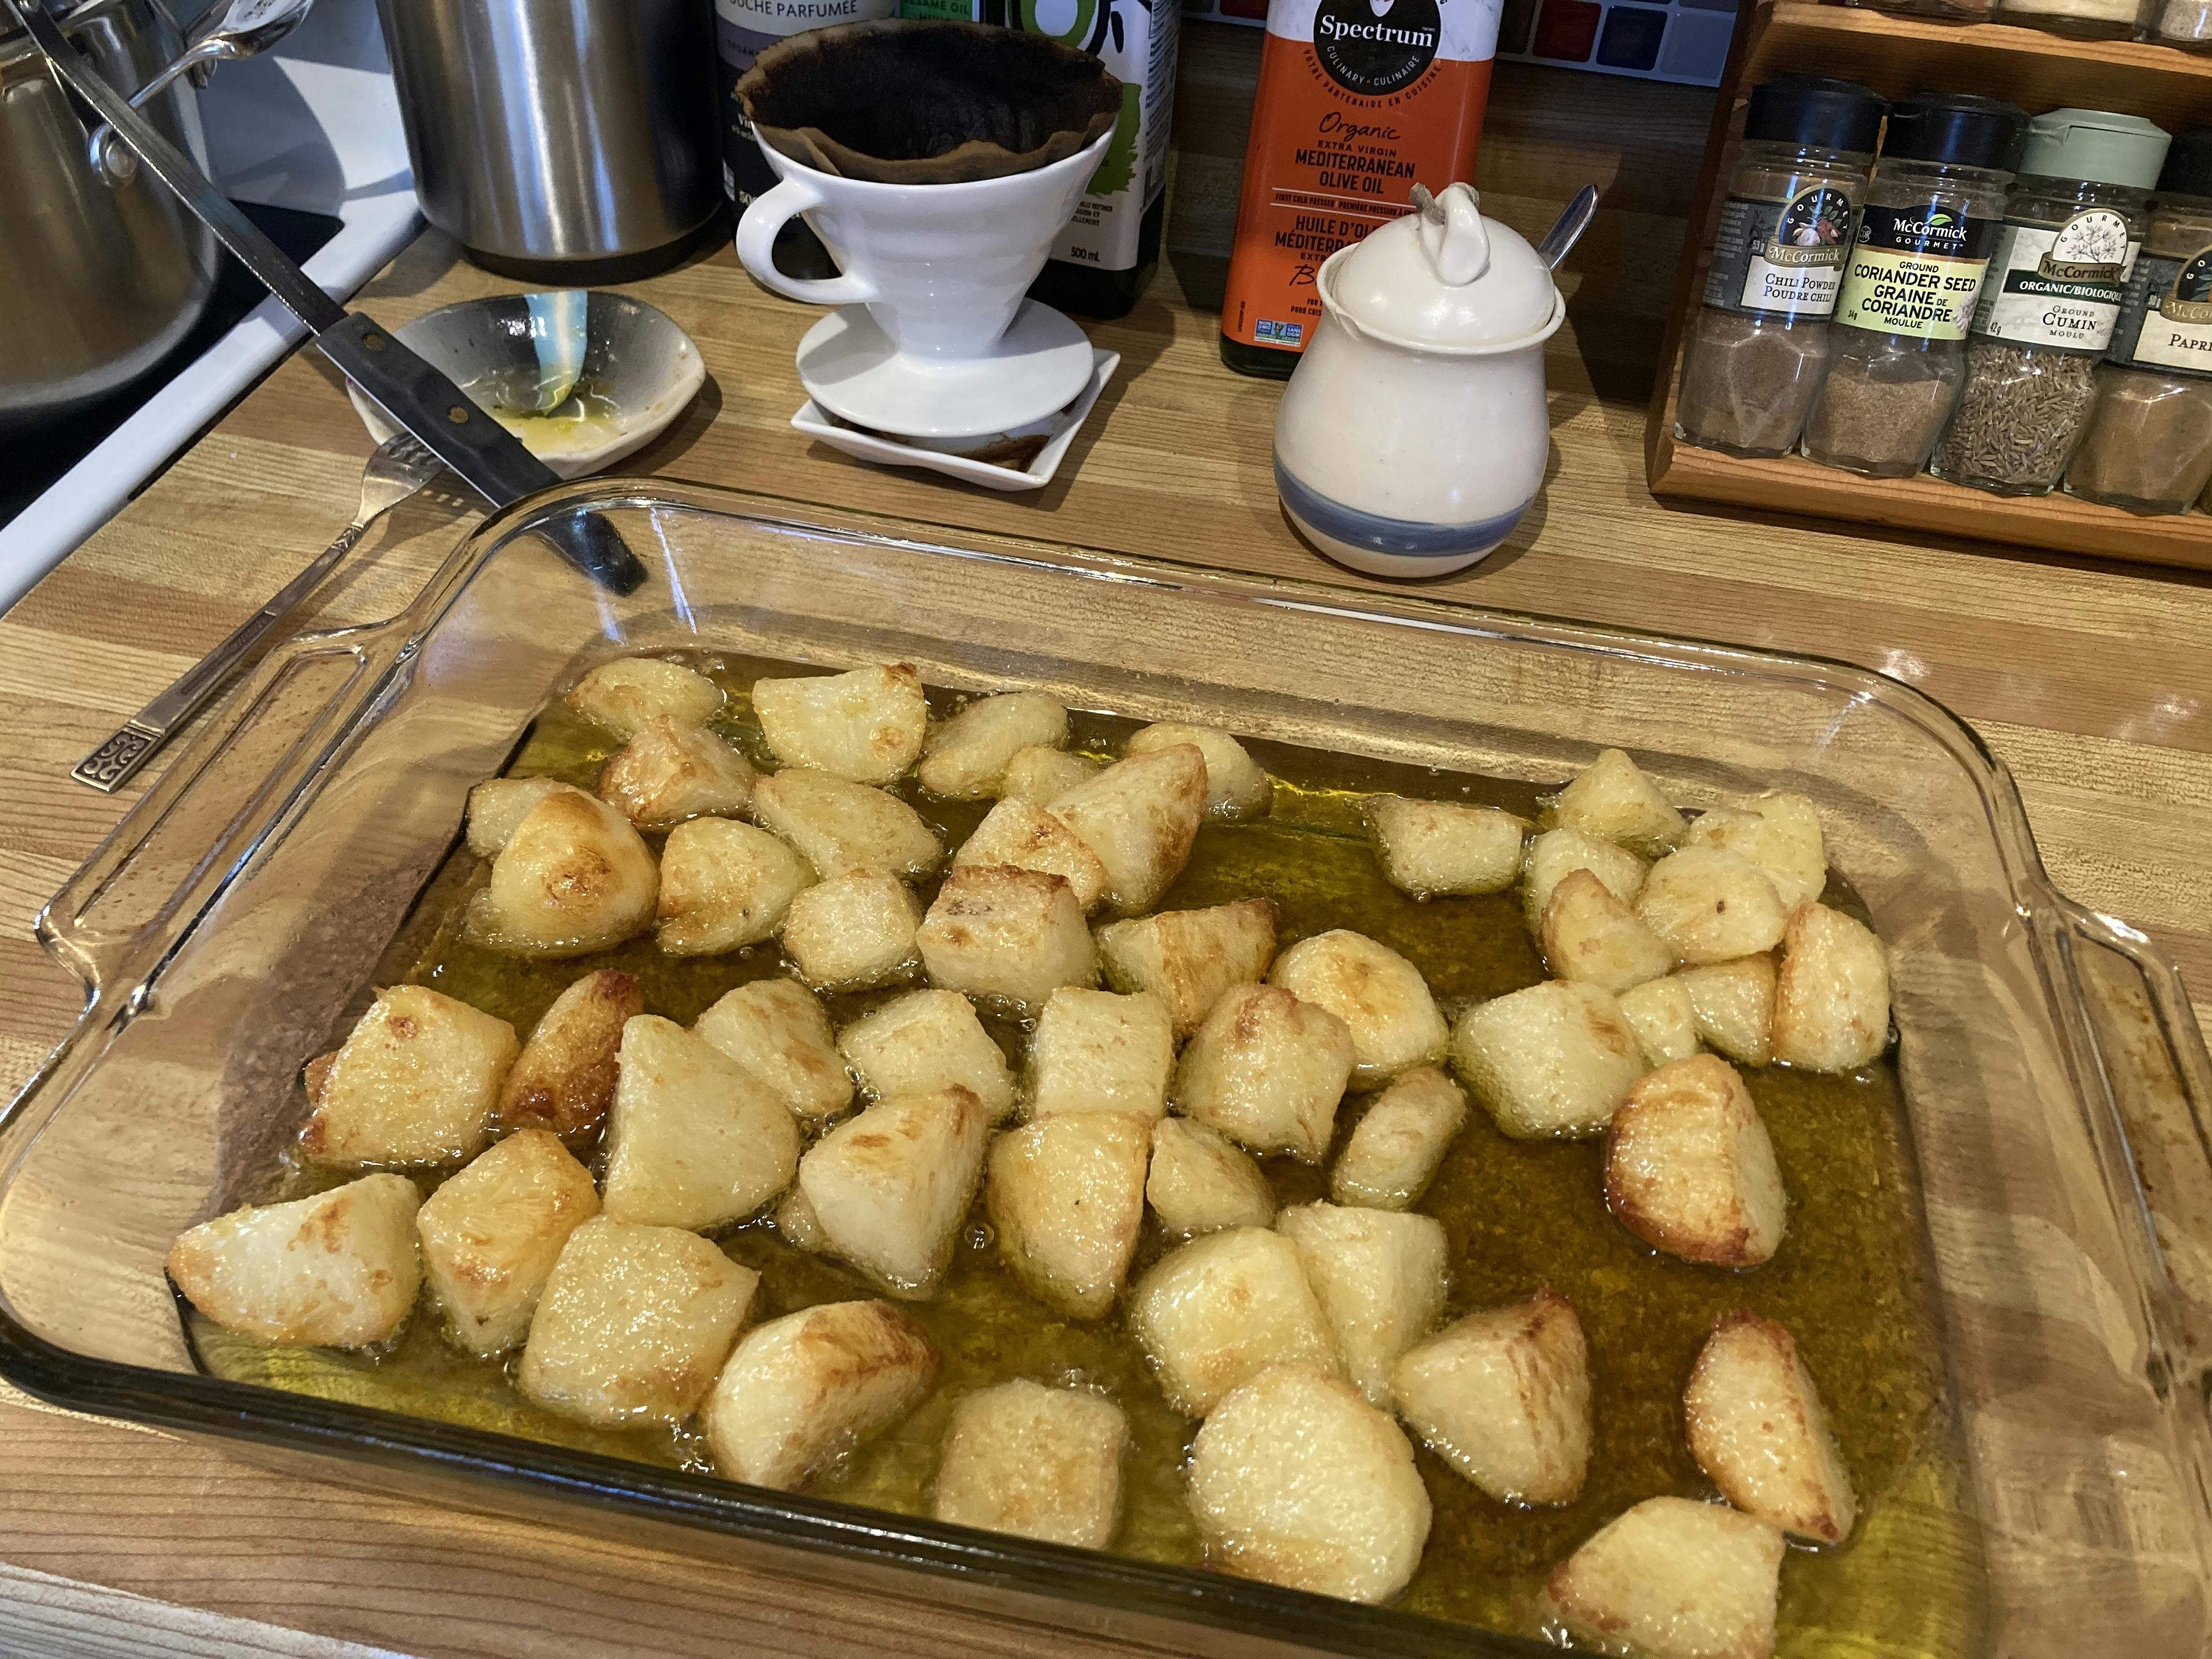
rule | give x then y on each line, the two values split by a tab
401	467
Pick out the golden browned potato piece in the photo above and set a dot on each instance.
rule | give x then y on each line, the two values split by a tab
1671	1579
1831	996
1393	1150
1430	847
724	886
337	1270
565	1079
491	1234
850	932
801	1390
890	1186
574	878
1139	815
415	1082
497	804
1664	1017
1215	1312
1380	996
622	696
1779	833
1689	1169
776	1028
1611	799
1043	775
1201	1182
633	1325
1504	1397
1710	905
1557	853
843	828
1010	936
1733	1004
1188	958
1380	1277
1094	1051
1236	785
1268	1071
926	1041
1022	835
694	1140
865	726
670	772
1034	1462
797	1224
1066	1195
1297	1480
1591	936
968	756
1551	1061
1756	1428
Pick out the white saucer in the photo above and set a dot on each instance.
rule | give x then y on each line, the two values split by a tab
850	366
964	458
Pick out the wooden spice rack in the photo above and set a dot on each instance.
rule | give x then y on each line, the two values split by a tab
1895	56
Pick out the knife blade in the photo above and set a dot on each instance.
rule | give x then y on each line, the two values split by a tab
417	396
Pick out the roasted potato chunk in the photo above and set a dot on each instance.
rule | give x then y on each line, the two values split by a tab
865	726
415	1082
1297	1480
1043	775
797	1224
853	931
1557	853
1393	1150
1554	1059
1708	905
1380	996
490	1235
622	696
1267	1070
573	877
1733	1005
776	1029
926	1041
1832	995
1011	936
1665	1020
633	1325
670	772
1067	1196
337	1270
694	1140
1672	1579
1022	835
1779	833
497	804
1756	1428
802	1388
891	1186
1188	958
1236	785
1201	1182
843	828
565	1079
1504	1397
724	886
1689	1169
1379	1277
968	756
1611	799
1215	1312
1431	848
1096	1052
1034	1462
1139	815
1591	936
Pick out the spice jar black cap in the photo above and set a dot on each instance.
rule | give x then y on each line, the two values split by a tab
1959	129
2188	170
1817	113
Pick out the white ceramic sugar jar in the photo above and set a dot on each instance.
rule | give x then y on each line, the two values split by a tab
1413	435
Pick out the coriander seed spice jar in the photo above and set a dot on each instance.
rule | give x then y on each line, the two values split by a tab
1753	354
2073	227
1923	240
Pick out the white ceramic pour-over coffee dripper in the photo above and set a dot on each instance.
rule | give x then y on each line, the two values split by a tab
934	338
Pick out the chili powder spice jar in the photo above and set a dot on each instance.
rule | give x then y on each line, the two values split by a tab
1923	241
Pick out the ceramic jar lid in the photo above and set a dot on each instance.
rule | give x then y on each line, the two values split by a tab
1445	277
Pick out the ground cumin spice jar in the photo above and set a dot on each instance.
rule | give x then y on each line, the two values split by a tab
1924	240
2148	447
1754	353
2072	230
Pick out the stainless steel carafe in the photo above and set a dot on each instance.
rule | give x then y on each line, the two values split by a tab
560	140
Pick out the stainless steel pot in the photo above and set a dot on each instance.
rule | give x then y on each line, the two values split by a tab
569	141
98	281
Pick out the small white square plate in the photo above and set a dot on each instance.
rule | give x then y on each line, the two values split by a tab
961	458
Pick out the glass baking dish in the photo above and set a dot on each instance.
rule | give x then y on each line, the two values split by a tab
2057	1087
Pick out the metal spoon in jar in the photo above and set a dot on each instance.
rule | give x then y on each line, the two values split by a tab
1567	229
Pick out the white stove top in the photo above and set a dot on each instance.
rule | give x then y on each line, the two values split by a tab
314	125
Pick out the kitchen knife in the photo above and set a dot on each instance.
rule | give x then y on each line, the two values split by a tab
414	394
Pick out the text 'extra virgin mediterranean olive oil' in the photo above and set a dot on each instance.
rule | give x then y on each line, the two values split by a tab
1359	102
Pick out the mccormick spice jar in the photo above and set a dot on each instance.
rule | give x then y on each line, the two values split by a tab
1753	354
1923	240
1355	108
2148	447
2072	231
